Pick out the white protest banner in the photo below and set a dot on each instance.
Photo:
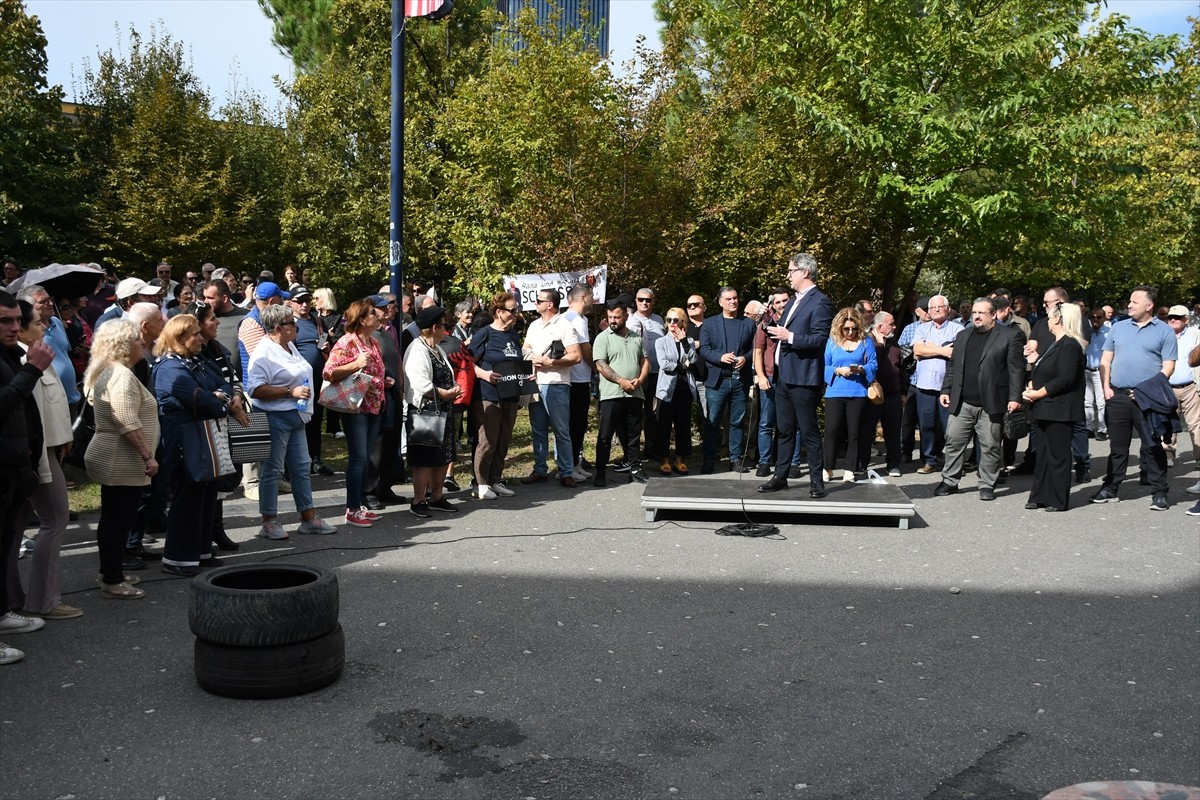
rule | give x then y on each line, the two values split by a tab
526	287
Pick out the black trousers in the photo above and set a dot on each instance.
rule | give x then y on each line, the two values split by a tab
843	418
648	421
581	408
622	416
14	492
118	510
190	520
796	413
1123	416
889	413
673	415
1052	470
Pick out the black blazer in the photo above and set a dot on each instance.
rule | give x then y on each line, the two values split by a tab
1060	372
1001	370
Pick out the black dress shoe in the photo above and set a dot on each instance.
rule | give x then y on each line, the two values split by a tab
1025	468
372	503
211	561
391	498
181	572
1032	506
763	471
223	542
795	473
1083	475
1101	437
817	490
987	493
773	485
599	481
319	468
943	489
739	467
129	562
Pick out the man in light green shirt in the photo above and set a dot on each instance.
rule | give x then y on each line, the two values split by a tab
620	358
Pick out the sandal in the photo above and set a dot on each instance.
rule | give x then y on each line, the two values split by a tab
132	580
120	591
681	467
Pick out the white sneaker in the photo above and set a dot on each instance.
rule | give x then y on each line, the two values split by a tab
316	525
484	492
848	476
251	492
502	490
339	435
271	529
581	474
827	475
9	654
1194	488
27	546
285	487
12	622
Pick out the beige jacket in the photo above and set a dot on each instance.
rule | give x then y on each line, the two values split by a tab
56	417
122	405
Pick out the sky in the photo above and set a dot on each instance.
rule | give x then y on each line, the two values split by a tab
229	41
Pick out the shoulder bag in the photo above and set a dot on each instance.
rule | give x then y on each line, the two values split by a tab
429	421
346	395
251	444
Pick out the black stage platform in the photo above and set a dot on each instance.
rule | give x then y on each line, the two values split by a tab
871	499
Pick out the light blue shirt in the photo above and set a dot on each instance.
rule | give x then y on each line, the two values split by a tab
56	337
1095	348
931	372
1138	353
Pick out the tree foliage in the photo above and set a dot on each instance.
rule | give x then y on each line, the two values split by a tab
302	29
38	205
167	180
969	135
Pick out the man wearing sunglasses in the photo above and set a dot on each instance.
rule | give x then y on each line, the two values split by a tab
650	326
552	346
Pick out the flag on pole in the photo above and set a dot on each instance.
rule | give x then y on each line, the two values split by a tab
421	8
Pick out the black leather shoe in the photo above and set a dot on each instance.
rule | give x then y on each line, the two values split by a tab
211	561
1083	475
319	468
987	493
1032	506
1025	468
372	503
738	467
223	542
129	562
795	473
599	481
638	475
943	489
763	471
817	491
182	572
391	498
773	485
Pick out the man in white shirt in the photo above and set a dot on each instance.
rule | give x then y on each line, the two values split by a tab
579	302
1183	382
552	346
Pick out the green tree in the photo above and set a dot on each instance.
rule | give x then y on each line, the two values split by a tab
960	134
303	29
39	210
165	179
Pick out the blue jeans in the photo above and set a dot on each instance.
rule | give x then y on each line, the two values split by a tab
287	442
731	392
766	429
931	417
554	411
361	430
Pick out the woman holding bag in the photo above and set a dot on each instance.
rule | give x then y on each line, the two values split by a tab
492	346
429	386
189	392
357	352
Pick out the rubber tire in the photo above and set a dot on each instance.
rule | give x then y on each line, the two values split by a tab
263	673
262	605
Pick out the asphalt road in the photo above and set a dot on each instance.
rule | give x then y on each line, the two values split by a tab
556	646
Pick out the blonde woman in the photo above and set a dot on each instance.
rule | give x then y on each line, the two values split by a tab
120	456
850	366
1056	388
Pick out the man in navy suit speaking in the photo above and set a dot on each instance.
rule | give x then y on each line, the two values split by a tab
802	333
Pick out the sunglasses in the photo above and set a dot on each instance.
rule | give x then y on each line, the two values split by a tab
695	305
645	299
674	321
850	328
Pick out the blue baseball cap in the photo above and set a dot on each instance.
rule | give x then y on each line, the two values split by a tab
267	290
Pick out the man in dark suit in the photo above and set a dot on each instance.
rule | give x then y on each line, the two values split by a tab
802	333
984	379
727	345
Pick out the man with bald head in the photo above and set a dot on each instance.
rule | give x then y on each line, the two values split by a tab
933	347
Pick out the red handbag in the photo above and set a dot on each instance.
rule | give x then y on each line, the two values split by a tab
464	375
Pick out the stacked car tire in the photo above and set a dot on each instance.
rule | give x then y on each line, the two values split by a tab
266	630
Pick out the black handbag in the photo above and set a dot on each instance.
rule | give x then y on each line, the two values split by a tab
253	444
428	426
83	428
1016	424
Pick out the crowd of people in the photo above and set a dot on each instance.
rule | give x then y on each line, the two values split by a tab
154	383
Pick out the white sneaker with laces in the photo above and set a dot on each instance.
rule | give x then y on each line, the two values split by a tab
12	622
848	476
581	474
502	490
316	525
1194	488
9	654
271	529
484	492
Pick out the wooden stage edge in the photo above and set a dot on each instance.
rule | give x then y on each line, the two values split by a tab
870	499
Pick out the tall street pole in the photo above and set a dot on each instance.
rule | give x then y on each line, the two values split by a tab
396	228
